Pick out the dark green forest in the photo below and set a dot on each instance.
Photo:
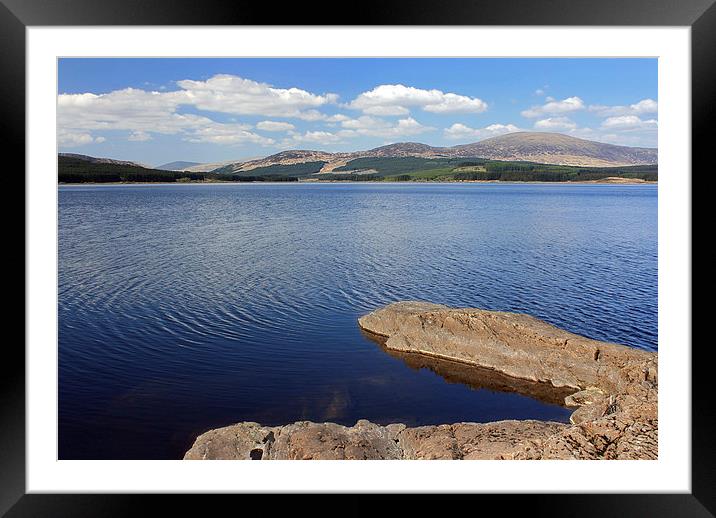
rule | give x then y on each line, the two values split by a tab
470	169
75	170
530	172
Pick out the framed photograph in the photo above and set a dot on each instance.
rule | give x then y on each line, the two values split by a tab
436	251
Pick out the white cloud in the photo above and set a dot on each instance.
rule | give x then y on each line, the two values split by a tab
398	99
409	126
460	131
640	108
628	122
621	125
625	133
376	127
555	124
74	139
628	139
275	126
584	132
338	117
233	94
453	103
139	115
312	137
145	112
386	110
554	107
311	115
227	134
129	109
139	136
364	122
645	106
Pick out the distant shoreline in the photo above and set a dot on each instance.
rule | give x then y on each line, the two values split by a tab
580	182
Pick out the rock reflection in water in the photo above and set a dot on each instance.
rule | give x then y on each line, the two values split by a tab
477	377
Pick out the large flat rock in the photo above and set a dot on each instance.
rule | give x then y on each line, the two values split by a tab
514	344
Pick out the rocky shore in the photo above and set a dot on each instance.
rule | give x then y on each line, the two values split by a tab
613	389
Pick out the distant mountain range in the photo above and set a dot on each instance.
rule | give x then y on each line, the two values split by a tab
177	166
540	147
555	148
509	158
523	156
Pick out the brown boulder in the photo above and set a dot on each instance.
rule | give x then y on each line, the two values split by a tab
472	441
235	442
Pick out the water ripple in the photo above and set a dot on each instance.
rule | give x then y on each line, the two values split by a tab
185	307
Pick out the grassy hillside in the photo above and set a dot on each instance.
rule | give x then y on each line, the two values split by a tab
452	169
295	170
390	166
530	172
176	166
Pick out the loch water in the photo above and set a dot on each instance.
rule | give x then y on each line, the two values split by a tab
188	307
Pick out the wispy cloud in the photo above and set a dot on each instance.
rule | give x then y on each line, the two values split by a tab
139	136
629	122
227	134
555	124
378	127
642	107
74	139
275	126
459	131
554	107
323	138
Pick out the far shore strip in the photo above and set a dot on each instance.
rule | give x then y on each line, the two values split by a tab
621	181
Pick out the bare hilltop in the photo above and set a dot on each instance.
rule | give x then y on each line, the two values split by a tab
524	146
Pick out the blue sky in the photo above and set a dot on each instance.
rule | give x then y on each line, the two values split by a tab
209	110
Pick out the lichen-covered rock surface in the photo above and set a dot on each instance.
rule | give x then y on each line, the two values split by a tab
329	441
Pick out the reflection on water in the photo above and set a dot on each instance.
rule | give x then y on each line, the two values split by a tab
477	378
187	307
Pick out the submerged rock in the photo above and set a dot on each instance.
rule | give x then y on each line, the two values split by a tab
614	389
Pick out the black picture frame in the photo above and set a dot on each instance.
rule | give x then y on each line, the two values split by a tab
17	15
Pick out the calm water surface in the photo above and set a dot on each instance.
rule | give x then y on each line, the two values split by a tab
188	307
